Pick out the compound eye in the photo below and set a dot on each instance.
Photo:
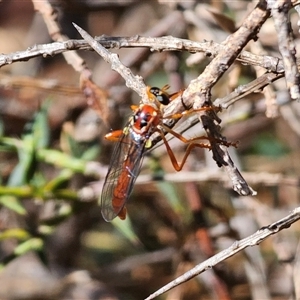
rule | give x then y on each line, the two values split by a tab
155	91
143	123
160	95
136	116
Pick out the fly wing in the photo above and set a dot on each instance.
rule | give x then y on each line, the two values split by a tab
124	167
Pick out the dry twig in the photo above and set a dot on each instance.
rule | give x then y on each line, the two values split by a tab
280	12
136	83
238	246
165	43
50	17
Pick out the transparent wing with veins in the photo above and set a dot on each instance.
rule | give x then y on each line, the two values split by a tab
124	168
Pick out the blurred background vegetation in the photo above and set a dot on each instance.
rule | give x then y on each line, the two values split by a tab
54	243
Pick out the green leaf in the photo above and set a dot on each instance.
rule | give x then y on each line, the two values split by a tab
84	150
60	159
17	191
91	152
126	229
35	244
13	203
64	176
168	189
35	136
1	128
41	131
16	233
23	170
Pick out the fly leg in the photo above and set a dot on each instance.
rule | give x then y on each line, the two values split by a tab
192	143
114	135
192	110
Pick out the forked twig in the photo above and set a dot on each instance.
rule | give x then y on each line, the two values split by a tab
133	82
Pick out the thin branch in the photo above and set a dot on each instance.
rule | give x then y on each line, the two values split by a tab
238	246
133	82
269	93
280	12
51	19
247	89
165	43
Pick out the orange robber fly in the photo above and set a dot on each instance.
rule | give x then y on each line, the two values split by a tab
132	144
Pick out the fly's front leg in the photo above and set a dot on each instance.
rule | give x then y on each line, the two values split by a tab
114	135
